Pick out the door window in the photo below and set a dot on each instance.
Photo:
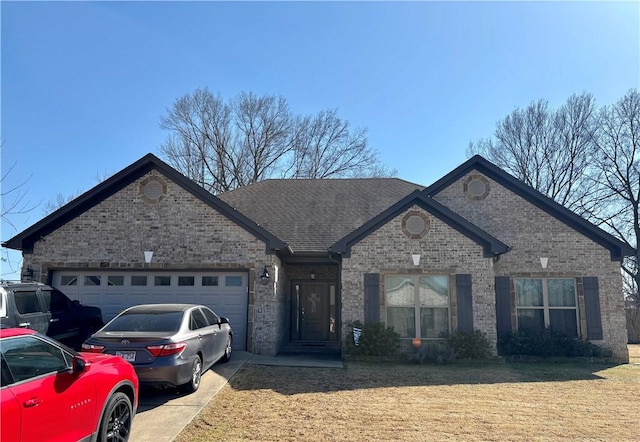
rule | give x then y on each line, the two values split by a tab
28	357
212	318
27	302
55	301
197	320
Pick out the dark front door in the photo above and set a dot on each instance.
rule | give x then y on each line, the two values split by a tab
313	311
314	305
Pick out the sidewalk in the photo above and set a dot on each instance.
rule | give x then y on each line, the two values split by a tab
162	415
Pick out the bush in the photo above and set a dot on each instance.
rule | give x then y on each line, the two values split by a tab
375	340
469	345
548	343
431	352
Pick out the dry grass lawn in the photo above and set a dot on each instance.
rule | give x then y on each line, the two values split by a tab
369	402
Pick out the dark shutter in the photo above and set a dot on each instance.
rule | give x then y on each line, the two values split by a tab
503	305
371	297
465	303
592	307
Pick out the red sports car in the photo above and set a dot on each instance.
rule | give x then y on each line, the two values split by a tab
50	392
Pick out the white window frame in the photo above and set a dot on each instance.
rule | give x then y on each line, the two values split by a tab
417	304
545	307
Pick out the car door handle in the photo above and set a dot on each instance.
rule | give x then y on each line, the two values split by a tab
33	402
24	324
54	319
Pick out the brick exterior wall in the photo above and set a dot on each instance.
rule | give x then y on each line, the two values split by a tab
532	234
443	250
183	232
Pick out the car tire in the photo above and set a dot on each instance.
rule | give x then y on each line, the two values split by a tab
226	357
196	376
117	419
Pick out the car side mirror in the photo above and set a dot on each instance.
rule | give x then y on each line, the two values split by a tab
224	320
75	304
79	364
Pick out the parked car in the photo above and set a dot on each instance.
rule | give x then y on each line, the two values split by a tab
168	344
48	311
49	392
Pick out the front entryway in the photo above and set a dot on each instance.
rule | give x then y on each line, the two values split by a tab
314	311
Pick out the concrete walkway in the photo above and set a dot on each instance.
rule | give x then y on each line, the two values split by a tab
162	415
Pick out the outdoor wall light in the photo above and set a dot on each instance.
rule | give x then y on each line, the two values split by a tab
148	255
28	274
264	276
416	260
544	262
313	274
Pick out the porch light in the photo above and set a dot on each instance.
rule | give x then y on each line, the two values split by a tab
313	274
28	274
416	260
148	255
264	276
544	262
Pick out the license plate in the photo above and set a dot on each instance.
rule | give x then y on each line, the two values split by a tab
128	356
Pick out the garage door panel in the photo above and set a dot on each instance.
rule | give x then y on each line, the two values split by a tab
115	292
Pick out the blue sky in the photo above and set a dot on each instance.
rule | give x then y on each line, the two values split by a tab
84	84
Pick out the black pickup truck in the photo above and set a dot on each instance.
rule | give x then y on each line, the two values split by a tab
48	311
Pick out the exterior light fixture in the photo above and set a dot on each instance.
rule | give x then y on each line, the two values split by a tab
544	262
148	255
416	260
313	274
28	274
264	276
416	342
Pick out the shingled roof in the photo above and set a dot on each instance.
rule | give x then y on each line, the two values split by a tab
311	215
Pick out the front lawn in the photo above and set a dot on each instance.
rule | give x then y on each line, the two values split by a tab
383	401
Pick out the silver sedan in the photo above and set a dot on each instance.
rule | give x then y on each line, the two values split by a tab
167	344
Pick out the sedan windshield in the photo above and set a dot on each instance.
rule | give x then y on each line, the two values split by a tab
146	321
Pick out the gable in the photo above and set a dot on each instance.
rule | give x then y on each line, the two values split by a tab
455	181
491	246
26	239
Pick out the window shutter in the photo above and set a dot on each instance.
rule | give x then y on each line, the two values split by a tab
503	305
465	303
371	297
592	307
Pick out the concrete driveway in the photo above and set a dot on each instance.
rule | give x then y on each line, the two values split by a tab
162	415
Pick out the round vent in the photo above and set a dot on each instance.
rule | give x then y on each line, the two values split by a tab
153	190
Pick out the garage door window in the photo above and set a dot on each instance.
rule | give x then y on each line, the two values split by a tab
208	281
138	280
91	280
68	280
162	280
186	281
233	281
115	280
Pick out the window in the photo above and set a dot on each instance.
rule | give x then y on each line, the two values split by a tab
55	301
547	303
233	281
212	318
186	281
418	306
115	280
68	280
197	320
139	280
91	280
27	302
27	357
162	280
208	281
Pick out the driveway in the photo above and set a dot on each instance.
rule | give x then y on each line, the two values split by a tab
163	414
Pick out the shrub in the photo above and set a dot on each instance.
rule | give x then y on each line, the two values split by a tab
548	343
469	345
431	352
375	340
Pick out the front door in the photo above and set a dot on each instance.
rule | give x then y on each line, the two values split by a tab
313	311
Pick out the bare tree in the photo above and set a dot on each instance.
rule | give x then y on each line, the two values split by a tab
618	176
548	149
224	145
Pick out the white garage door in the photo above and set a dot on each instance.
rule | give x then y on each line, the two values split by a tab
226	293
